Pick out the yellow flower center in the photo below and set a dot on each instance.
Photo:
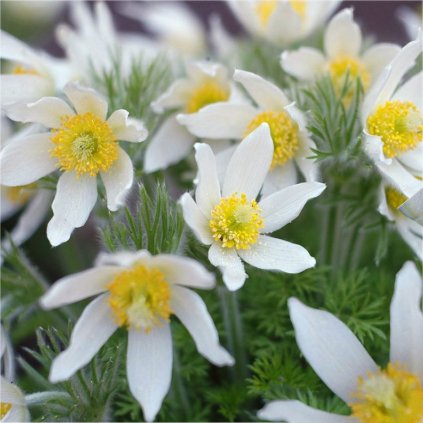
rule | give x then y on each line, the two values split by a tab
84	143
343	65
394	198
140	298
19	195
284	133
389	396
266	8
22	70
206	93
236	222
399	124
4	409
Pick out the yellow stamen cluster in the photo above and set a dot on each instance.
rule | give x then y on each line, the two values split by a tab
236	222
19	195
389	396
208	92
394	198
21	70
399	124
140	298
266	8
84	143
299	6
284	133
4	409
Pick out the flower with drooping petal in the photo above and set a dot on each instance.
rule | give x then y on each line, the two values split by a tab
12	405
390	201
81	144
282	21
139	292
343	55
393	122
206	83
292	143
234	224
390	395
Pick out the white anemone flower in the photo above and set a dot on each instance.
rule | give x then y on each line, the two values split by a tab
393	122
140	292
342	55
12	405
394	394
282	21
34	74
292	142
390	202
206	83
230	220
81	144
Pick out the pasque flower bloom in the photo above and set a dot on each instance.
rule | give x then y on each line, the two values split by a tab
82	144
233	223
12	405
391	395
139	292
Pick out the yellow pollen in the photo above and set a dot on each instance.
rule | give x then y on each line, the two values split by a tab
389	396
236	222
266	8
140	298
399	124
19	195
284	133
206	93
394	198
22	70
4	409
84	143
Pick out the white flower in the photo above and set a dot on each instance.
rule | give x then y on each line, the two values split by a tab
12	406
206	83
82	144
140	292
393	122
282	21
413	207
394	394
7	364
342	48
35	74
292	143
390	201
234	224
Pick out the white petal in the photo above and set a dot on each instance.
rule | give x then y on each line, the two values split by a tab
207	193
118	180
74	200
285	25
17	413
343	35
26	160
125	128
305	63
333	351
308	166
284	206
192	312
11	393
267	95
86	100
413	208
280	177
373	146
202	70
122	258
47	111
276	254
297	412
411	91
413	159
149	367
175	96
407	320
219	120
229	263
8	208
79	286
250	163
170	144
412	234
183	271
379	56
24	88
383	207
92	330
195	219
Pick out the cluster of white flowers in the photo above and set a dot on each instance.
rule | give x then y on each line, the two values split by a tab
255	174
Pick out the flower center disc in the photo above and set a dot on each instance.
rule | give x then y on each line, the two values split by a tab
140	298
236	222
84	143
389	396
399	124
207	93
5	407
284	132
